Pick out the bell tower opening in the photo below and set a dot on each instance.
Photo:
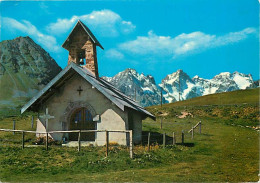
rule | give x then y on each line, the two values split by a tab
82	59
81	44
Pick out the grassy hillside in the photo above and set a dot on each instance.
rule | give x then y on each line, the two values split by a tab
234	108
250	96
16	89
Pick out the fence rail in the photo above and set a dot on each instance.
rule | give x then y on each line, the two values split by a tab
28	131
65	131
198	124
193	127
149	138
79	136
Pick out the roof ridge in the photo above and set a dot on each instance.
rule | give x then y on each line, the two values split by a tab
87	30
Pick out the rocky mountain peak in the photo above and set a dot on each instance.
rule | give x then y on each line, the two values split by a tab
133	71
23	54
175	77
180	71
25	67
223	75
137	86
151	79
196	77
177	86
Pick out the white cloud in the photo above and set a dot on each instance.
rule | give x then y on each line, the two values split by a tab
114	54
182	44
44	7
47	41
105	22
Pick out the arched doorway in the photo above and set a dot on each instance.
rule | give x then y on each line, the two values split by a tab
81	119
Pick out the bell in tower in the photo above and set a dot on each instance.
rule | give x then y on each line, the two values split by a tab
81	59
81	44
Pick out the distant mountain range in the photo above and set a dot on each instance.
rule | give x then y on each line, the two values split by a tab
25	68
137	86
177	86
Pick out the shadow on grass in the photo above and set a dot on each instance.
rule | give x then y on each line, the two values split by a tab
157	138
186	144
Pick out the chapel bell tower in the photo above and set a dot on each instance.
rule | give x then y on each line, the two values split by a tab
81	44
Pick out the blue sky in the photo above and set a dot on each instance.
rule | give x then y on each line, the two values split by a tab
202	37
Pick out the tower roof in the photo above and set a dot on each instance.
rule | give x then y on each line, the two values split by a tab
87	30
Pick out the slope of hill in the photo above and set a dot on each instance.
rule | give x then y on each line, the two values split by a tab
249	96
24	68
234	108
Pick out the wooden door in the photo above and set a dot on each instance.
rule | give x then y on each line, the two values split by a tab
81	119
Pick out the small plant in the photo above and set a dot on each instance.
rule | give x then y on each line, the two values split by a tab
42	141
112	143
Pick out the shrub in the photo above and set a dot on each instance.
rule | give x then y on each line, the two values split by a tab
112	143
42	141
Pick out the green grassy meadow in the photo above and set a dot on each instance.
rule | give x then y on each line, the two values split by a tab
227	150
250	96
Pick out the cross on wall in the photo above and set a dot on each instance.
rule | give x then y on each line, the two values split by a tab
79	90
47	116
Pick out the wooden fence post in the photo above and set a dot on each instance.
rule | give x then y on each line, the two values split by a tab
32	121
79	141
131	143
182	137
149	136
107	143
161	123
22	139
47	141
200	127
13	126
173	138
164	136
192	132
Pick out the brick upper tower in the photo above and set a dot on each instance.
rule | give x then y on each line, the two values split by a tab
81	44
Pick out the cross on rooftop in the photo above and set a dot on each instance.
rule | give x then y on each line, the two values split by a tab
46	116
79	90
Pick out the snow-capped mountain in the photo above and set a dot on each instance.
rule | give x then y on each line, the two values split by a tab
137	86
229	82
197	86
176	86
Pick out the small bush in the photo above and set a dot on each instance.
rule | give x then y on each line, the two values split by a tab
42	141
112	143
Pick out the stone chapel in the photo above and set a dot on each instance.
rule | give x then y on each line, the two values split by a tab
78	99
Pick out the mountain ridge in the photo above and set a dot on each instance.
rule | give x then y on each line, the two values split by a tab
25	67
173	91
